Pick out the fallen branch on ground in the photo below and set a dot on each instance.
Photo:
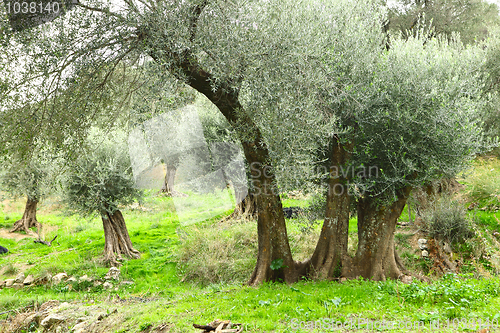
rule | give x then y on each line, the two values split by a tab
45	242
220	326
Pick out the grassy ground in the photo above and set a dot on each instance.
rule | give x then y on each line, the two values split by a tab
192	270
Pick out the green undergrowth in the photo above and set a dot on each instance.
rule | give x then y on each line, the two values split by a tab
282	308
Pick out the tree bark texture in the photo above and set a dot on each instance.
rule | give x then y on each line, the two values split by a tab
376	257
331	249
117	239
29	218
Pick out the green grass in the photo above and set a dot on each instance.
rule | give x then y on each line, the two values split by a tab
173	296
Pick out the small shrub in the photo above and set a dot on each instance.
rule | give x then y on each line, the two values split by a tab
448	221
10	270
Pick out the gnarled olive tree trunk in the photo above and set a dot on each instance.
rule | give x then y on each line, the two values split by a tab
376	257
331	249
246	208
29	218
117	239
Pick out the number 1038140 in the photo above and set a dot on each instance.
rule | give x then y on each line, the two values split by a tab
32	7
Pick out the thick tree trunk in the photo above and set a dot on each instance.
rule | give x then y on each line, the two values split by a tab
117	239
331	249
376	257
29	218
272	234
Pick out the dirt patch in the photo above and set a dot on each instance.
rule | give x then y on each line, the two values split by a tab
46	229
4	233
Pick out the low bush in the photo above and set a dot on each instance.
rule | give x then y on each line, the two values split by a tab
448	221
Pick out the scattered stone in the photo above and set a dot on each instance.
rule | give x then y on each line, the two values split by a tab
97	283
64	305
2	284
17	286
422	243
43	280
48	305
9	282
85	278
107	285
20	278
127	283
51	320
113	273
406	279
71	279
29	280
80	327
343	279
425	254
58	278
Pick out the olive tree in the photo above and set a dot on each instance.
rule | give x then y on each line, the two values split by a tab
26	178
405	116
414	121
100	182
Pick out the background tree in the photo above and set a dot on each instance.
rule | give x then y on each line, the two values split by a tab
27	179
99	183
34	177
472	19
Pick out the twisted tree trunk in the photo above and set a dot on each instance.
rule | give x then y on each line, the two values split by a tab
376	257
29	218
117	239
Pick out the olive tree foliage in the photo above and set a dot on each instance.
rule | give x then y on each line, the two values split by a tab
24	179
420	117
101	181
491	75
60	81
420	122
314	87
